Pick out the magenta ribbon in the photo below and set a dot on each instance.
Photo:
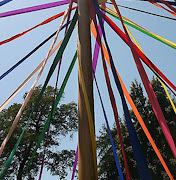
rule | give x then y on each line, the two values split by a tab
75	163
33	8
96	50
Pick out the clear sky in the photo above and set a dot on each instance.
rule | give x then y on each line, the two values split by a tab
160	54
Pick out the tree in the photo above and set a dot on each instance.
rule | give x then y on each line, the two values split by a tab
63	123
107	163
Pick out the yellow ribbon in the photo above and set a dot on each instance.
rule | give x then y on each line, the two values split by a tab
90	119
173	106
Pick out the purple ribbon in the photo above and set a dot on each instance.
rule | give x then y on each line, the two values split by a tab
33	8
75	163
96	50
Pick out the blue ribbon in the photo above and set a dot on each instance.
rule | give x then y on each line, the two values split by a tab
138	153
110	135
4	2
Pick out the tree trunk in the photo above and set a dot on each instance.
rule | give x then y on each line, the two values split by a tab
20	170
25	158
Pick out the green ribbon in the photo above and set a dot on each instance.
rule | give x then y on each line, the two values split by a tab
52	68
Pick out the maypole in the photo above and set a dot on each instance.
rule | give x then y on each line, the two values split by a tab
86	161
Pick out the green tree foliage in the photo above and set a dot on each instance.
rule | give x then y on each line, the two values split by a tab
63	123
107	167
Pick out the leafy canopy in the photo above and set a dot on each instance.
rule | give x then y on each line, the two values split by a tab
107	167
63	123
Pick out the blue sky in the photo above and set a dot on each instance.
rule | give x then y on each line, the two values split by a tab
160	54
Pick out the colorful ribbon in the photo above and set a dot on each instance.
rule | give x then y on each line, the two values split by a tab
27	56
96	50
75	163
4	2
26	80
42	23
142	56
173	106
57	78
152	97
158	77
134	109
113	103
110	135
169	2
114	107
140	159
154	3
143	30
53	66
42	135
146	12
31	90
34	8
168	5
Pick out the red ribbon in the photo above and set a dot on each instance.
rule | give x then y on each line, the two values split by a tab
154	102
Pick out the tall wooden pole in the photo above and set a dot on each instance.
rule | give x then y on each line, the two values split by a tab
86	169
